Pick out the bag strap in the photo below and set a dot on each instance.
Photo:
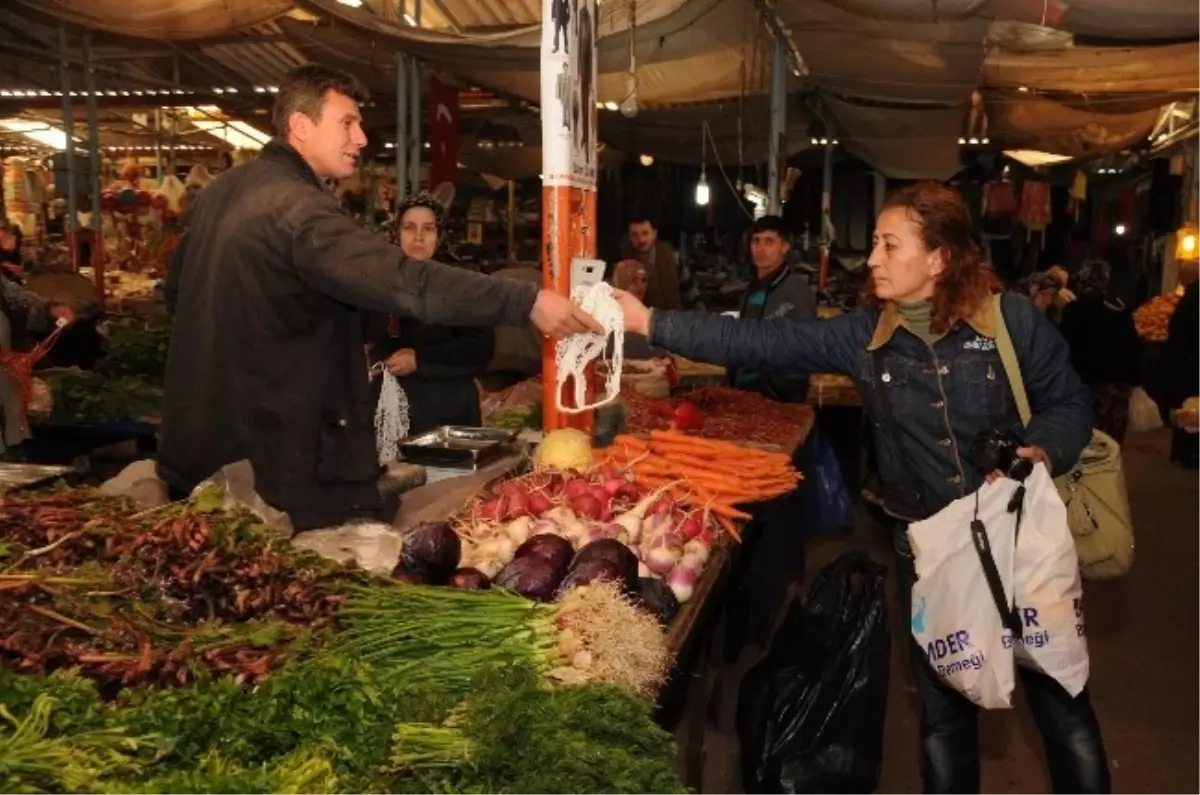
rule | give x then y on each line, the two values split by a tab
888	418
1005	606
1012	365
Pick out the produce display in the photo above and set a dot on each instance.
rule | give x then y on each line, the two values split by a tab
1153	318
718	413
159	597
548	531
518	406
719	475
126	383
131	639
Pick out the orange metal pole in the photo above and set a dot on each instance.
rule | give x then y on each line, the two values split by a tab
569	163
568	231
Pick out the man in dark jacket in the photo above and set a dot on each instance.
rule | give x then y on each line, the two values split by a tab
267	360
669	283
776	291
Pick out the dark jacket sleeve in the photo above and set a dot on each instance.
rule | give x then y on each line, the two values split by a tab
790	387
359	268
174	274
34	309
466	353
776	345
1061	405
1183	342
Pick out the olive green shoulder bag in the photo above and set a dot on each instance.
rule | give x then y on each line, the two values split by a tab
1094	490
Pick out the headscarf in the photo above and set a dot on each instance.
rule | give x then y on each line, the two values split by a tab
422	199
627	272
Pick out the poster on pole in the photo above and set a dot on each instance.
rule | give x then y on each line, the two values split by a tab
569	93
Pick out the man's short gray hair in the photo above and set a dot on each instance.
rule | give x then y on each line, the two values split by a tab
303	91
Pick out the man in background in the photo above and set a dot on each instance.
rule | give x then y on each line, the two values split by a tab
775	291
669	283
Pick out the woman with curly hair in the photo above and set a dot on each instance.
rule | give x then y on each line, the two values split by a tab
924	336
435	365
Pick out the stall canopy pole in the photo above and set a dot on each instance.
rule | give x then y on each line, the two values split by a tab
401	128
779	70
568	180
512	222
94	147
414	127
826	213
68	116
158	161
171	162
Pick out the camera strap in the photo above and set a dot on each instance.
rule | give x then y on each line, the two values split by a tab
1007	607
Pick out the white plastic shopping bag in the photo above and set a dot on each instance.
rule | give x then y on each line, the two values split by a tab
954	618
1049	590
1143	412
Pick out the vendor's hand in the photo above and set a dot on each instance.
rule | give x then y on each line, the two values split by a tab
1035	454
62	312
402	362
637	316
556	315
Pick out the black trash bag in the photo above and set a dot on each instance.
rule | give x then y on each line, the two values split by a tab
810	715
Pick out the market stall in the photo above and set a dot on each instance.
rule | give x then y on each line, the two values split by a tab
166	613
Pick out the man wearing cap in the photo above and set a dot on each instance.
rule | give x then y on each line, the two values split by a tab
775	291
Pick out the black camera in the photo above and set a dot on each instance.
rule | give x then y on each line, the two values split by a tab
996	451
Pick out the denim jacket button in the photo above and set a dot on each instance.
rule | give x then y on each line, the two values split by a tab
955	479
943	370
938	404
945	442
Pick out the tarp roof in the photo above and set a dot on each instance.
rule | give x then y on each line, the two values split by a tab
896	76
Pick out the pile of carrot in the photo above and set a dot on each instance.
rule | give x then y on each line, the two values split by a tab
708	473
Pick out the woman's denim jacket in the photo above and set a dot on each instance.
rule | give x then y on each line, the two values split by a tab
943	395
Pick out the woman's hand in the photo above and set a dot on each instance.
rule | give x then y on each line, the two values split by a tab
1035	454
402	362
637	316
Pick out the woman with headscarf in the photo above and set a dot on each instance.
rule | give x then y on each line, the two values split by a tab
435	365
1104	346
630	275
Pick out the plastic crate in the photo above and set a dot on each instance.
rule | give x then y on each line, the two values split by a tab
1185	448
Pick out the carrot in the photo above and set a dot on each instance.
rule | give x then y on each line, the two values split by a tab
727	523
630	442
728	511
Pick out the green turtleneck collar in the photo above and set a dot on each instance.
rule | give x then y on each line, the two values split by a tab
918	317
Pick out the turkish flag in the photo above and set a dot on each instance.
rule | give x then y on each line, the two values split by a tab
443	133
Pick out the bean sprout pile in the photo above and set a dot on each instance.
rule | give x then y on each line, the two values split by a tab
575	353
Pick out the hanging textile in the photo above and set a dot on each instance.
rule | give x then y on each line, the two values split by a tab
1078	194
1035	213
999	207
1035	205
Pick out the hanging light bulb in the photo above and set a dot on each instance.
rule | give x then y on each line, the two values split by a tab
646	160
702	189
629	108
